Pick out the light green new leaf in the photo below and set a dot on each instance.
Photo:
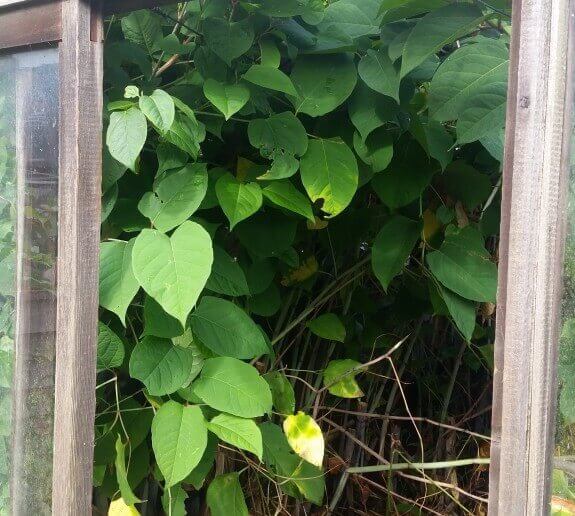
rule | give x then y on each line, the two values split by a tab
176	197
160	365
322	83
122	474
232	386
179	438
159	109
238	200
225	496
174	270
227	330
143	28
118	285
369	110
227	98
392	247
239	432
270	78
328	326
110	348
305	438
379	73
280	131
126	136
463	265
329	172
437	29
228	40
285	195
283	394
227	276
465	72
340	378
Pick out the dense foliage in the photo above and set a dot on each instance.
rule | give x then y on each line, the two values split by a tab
300	212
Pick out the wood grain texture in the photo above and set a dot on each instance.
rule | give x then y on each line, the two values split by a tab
531	252
24	24
78	247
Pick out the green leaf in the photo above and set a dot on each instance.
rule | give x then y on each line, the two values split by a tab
463	265
285	195
198	475
118	285
270	78
394	10
186	134
179	438
283	394
461	310
160	365
465	72
174	270
238	200
270	54
295	475
377	150
232	386
340	378
176	197
158	323
239	432
392	247
322	83
227	98
225	496
369	110
437	29
434	138
174	501
228	40
227	330
329	172
463	183
328	326
143	28
280	131
110	348
122	474
267	234
355	18
227	276
112	170
379	73
159	109
126	136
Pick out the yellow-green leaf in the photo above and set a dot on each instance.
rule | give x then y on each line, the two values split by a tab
305	437
120	508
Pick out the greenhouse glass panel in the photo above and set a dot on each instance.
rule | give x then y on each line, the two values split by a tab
29	143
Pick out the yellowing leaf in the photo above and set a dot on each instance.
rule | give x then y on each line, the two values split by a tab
431	225
306	270
318	225
305	437
119	508
243	168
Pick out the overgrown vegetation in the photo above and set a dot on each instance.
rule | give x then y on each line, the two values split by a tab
298	266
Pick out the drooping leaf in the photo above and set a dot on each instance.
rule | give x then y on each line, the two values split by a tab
227	98
340	378
285	195
283	394
118	285
160	365
237	431
143	28
379	73
226	329
179	438
174	270
126	136
159	109
174	501
461	310
328	326
270	78
232	386
227	276
329	173
110	348
305	437
463	265
392	247
122	474
228	40
238	200
322	83
225	496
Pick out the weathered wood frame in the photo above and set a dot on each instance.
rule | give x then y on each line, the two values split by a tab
535	183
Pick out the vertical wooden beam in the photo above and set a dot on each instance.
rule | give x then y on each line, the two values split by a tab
531	255
79	230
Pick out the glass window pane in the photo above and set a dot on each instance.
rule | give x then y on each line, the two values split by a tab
29	105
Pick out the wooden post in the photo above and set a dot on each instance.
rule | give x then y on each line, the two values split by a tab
531	256
79	236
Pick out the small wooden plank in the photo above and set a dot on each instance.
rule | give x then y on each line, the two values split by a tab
531	251
81	72
24	24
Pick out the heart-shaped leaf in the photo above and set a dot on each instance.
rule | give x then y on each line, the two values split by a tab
126	136
238	200
237	431
159	109
174	270
270	78
227	98
228	40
